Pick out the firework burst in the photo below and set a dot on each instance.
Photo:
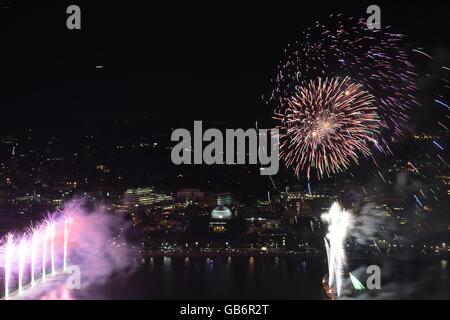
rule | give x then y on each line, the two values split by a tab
326	126
377	60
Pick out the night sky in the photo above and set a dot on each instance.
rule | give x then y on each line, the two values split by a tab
168	63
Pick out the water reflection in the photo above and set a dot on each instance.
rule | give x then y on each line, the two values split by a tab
260	277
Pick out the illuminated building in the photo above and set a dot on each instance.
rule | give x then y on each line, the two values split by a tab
184	195
220	217
224	199
145	197
221	212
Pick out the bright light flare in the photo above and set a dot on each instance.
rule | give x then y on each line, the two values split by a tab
8	263
22	262
339	222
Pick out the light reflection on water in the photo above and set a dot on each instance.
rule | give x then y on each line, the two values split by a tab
219	278
269	278
250	278
62	293
444	264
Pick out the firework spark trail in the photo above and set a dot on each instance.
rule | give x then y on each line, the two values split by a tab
339	222
443	126
52	246
44	250
442	103
442	160
438	145
22	262
34	243
417	200
326	126
8	263
67	221
330	263
423	53
376	246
